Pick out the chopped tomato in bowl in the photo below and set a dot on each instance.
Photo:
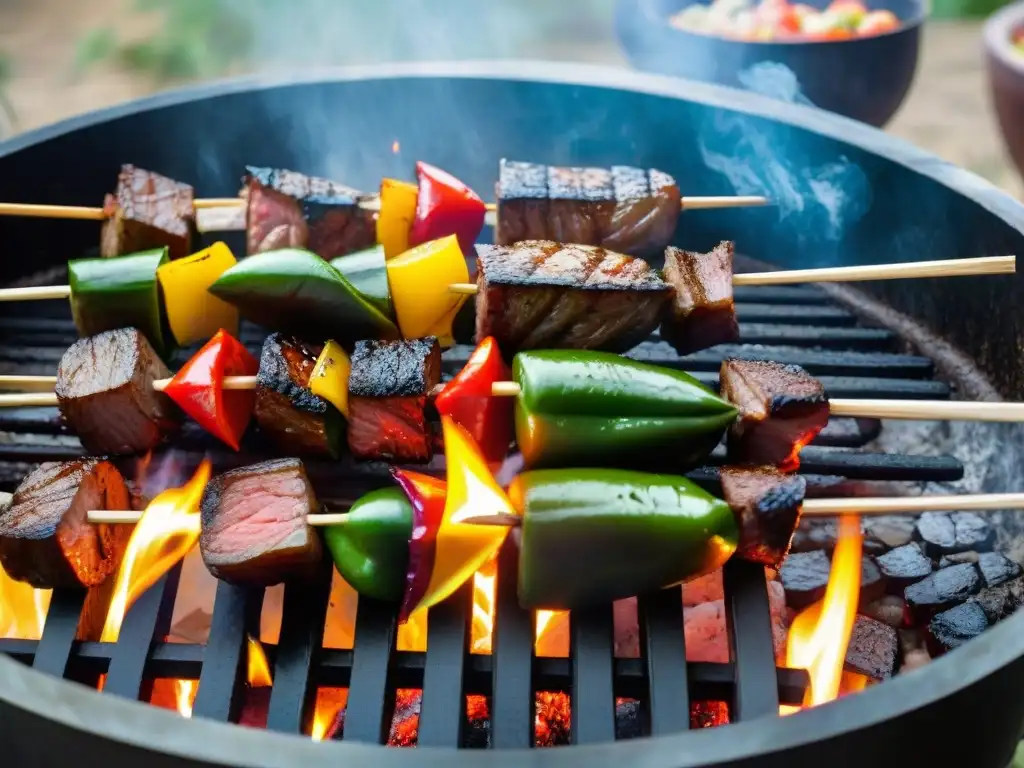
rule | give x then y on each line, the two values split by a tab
783	20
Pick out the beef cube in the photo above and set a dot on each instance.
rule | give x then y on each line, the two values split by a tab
388	390
951	629
148	211
767	507
287	209
45	537
804	576
105	392
702	313
873	649
782	408
522	207
646	212
579	201
540	294
904	566
255	526
298	421
943	589
944	534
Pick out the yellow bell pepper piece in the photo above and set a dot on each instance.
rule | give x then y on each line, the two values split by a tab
397	212
419	281
329	378
193	313
462	548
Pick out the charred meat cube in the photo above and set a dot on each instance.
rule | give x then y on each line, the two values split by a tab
387	399
148	211
255	525
541	294
287	209
522	202
701	313
767	507
105	392
782	408
295	419
45	538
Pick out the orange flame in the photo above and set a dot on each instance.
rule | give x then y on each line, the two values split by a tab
395	146
258	667
22	609
329	702
185	696
820	634
166	532
482	627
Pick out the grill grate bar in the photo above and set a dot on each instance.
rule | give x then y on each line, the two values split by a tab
59	632
593	697
748	620
512	701
443	708
661	635
371	657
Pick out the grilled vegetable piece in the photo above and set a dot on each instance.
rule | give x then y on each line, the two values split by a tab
45	538
388	389
445	206
105	392
255	526
542	294
624	209
297	421
193	313
148	211
367	273
582	408
287	209
767	507
702	313
782	408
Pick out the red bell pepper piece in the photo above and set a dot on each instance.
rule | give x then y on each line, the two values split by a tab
198	388
427	495
445	206
468	400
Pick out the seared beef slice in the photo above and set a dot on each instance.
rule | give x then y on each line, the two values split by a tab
105	391
148	211
767	507
45	538
255	527
387	401
782	408
540	294
702	313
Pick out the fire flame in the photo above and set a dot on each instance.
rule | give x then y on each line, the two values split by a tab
258	667
329	703
185	696
22	609
482	632
166	532
820	634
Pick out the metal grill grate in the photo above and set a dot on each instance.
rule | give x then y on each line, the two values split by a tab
791	325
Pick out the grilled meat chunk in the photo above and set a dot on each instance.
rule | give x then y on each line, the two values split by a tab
296	420
105	391
45	538
624	209
387	399
782	408
541	294
147	211
767	507
255	526
291	210
702	313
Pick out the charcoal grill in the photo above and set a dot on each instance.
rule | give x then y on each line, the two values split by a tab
901	205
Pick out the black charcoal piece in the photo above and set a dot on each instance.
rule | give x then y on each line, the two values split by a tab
951	629
630	719
957	558
873	649
997	569
943	589
872	581
887	532
935	530
973	532
999	602
804	576
813	534
958	532
903	566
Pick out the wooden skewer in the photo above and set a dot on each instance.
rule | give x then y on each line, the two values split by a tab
686	203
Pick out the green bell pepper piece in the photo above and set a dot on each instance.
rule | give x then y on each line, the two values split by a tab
119	292
583	408
367	273
295	291
371	550
591	536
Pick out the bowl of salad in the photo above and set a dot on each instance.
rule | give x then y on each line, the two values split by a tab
853	57
1004	54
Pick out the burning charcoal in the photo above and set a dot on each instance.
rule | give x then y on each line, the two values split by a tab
951	629
766	504
702	313
997	569
255	526
873	649
958	558
540	294
782	408
815	533
45	539
872	582
958	532
888	610
388	390
943	589
552	719
708	714
148	211
105	391
299	422
1000	601
478	723
631	721
705	589
885	532
903	566
804	576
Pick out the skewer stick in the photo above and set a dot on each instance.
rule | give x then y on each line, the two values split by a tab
686	203
35	293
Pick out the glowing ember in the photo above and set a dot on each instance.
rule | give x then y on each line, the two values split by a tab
329	704
22	609
258	674
395	146
185	696
819	635
166	532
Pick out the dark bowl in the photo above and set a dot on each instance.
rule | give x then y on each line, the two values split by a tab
1006	77
863	78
